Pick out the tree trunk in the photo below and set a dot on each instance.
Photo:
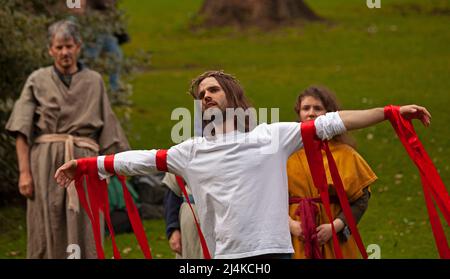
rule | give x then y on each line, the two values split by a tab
254	12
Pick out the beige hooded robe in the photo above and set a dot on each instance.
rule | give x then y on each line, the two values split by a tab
47	106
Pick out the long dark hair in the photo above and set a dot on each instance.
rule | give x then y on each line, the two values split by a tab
233	91
329	102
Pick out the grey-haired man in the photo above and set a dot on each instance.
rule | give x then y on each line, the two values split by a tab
63	113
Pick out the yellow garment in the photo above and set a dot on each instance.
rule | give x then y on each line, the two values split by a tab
355	174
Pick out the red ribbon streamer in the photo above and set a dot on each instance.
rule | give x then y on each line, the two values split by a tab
98	201
161	165
313	150
161	160
205	250
433	187
307	210
132	211
88	166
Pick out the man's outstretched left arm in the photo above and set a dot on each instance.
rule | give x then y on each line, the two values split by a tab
357	119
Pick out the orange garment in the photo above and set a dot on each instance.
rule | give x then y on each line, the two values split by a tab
355	174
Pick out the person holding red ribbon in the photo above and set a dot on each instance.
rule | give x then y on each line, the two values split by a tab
311	240
237	177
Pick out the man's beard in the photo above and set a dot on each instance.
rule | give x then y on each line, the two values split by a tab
215	117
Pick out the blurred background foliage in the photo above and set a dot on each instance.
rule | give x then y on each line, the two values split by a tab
23	49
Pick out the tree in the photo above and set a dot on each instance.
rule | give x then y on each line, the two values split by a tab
255	12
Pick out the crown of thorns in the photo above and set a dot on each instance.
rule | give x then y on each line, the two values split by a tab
220	73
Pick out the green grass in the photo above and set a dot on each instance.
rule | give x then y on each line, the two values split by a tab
13	238
397	54
13	233
129	246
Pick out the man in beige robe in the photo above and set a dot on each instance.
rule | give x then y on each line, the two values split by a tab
63	112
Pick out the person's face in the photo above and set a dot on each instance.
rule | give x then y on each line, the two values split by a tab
64	52
211	94
311	108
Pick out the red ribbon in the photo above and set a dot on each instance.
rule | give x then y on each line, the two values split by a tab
161	165
205	250
88	167
161	160
307	210
433	187
313	150
98	201
132	211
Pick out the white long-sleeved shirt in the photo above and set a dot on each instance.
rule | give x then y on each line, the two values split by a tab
238	181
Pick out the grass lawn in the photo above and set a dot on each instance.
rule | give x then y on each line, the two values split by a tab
13	238
370	57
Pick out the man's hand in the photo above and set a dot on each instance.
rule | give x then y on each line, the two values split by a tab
26	185
416	112
66	173
175	241
357	119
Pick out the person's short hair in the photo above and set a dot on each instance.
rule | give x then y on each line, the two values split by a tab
65	28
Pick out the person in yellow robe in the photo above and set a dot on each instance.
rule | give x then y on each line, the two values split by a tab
304	197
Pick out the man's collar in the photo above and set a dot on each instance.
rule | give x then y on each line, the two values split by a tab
67	79
80	67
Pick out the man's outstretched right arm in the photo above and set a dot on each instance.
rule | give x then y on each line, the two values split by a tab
129	163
